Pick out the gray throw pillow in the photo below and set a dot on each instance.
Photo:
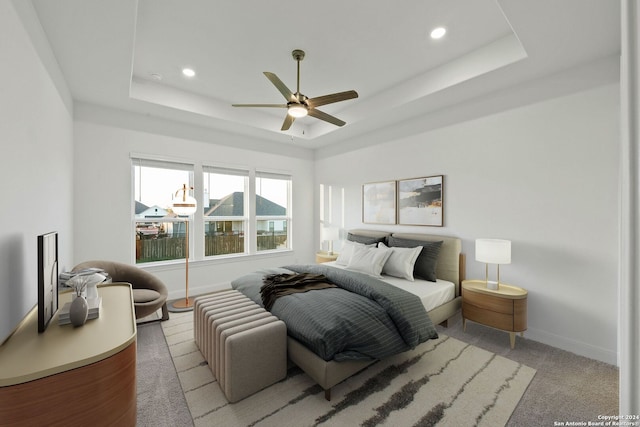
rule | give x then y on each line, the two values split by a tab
425	266
365	240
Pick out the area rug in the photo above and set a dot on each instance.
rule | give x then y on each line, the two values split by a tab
443	382
157	382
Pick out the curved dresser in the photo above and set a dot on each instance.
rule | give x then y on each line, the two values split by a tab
73	376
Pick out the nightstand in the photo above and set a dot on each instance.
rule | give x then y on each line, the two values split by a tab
325	257
504	308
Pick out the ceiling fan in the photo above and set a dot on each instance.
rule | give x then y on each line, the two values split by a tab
298	105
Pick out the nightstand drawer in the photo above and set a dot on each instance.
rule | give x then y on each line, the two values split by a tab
488	302
490	318
503	308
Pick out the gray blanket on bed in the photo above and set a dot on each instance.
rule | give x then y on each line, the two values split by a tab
363	318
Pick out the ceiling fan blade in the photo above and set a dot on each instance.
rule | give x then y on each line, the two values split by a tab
329	99
261	105
326	117
288	121
284	90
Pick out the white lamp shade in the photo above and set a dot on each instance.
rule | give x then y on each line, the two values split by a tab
185	207
330	233
493	251
185	204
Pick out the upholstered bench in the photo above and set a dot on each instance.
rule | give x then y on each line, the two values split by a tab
216	308
244	345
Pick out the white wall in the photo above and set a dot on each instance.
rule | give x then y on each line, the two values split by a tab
103	178
36	165
544	176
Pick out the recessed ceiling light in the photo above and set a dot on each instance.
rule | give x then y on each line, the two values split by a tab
438	33
188	72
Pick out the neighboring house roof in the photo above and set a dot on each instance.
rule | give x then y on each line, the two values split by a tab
266	207
140	207
153	212
232	205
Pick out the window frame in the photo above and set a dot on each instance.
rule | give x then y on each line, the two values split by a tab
157	162
198	221
244	219
288	215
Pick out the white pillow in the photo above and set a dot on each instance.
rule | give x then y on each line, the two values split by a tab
347	251
401	261
369	260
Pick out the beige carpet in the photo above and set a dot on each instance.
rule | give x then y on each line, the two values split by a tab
443	382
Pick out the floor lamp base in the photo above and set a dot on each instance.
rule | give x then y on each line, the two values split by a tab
184	304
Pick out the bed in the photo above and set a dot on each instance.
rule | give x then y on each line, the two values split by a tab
443	304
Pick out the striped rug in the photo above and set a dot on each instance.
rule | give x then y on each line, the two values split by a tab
443	382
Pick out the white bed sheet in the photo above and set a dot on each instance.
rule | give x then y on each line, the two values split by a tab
432	294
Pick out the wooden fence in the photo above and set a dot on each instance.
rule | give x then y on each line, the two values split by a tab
166	248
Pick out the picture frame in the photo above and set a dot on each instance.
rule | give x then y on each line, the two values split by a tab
420	201
379	202
47	278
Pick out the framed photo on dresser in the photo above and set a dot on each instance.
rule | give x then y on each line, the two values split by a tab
47	278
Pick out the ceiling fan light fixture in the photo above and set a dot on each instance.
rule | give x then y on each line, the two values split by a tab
188	72
438	33
297	111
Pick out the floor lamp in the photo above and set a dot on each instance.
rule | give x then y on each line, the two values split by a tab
185	206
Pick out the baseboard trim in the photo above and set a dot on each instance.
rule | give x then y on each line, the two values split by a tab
574	346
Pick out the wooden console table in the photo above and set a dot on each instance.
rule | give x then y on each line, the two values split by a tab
73	376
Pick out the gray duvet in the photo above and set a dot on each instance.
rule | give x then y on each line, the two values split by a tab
363	318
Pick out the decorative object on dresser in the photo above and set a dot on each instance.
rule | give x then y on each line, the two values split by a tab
184	206
504	308
379	203
493	251
420	201
77	312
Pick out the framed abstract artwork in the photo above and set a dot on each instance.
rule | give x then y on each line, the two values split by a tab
379	203
420	201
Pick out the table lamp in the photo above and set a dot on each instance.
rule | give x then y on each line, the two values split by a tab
330	234
493	251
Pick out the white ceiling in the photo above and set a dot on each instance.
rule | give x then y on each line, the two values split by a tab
108	51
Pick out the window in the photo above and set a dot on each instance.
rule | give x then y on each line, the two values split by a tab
225	211
240	211
273	214
158	234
